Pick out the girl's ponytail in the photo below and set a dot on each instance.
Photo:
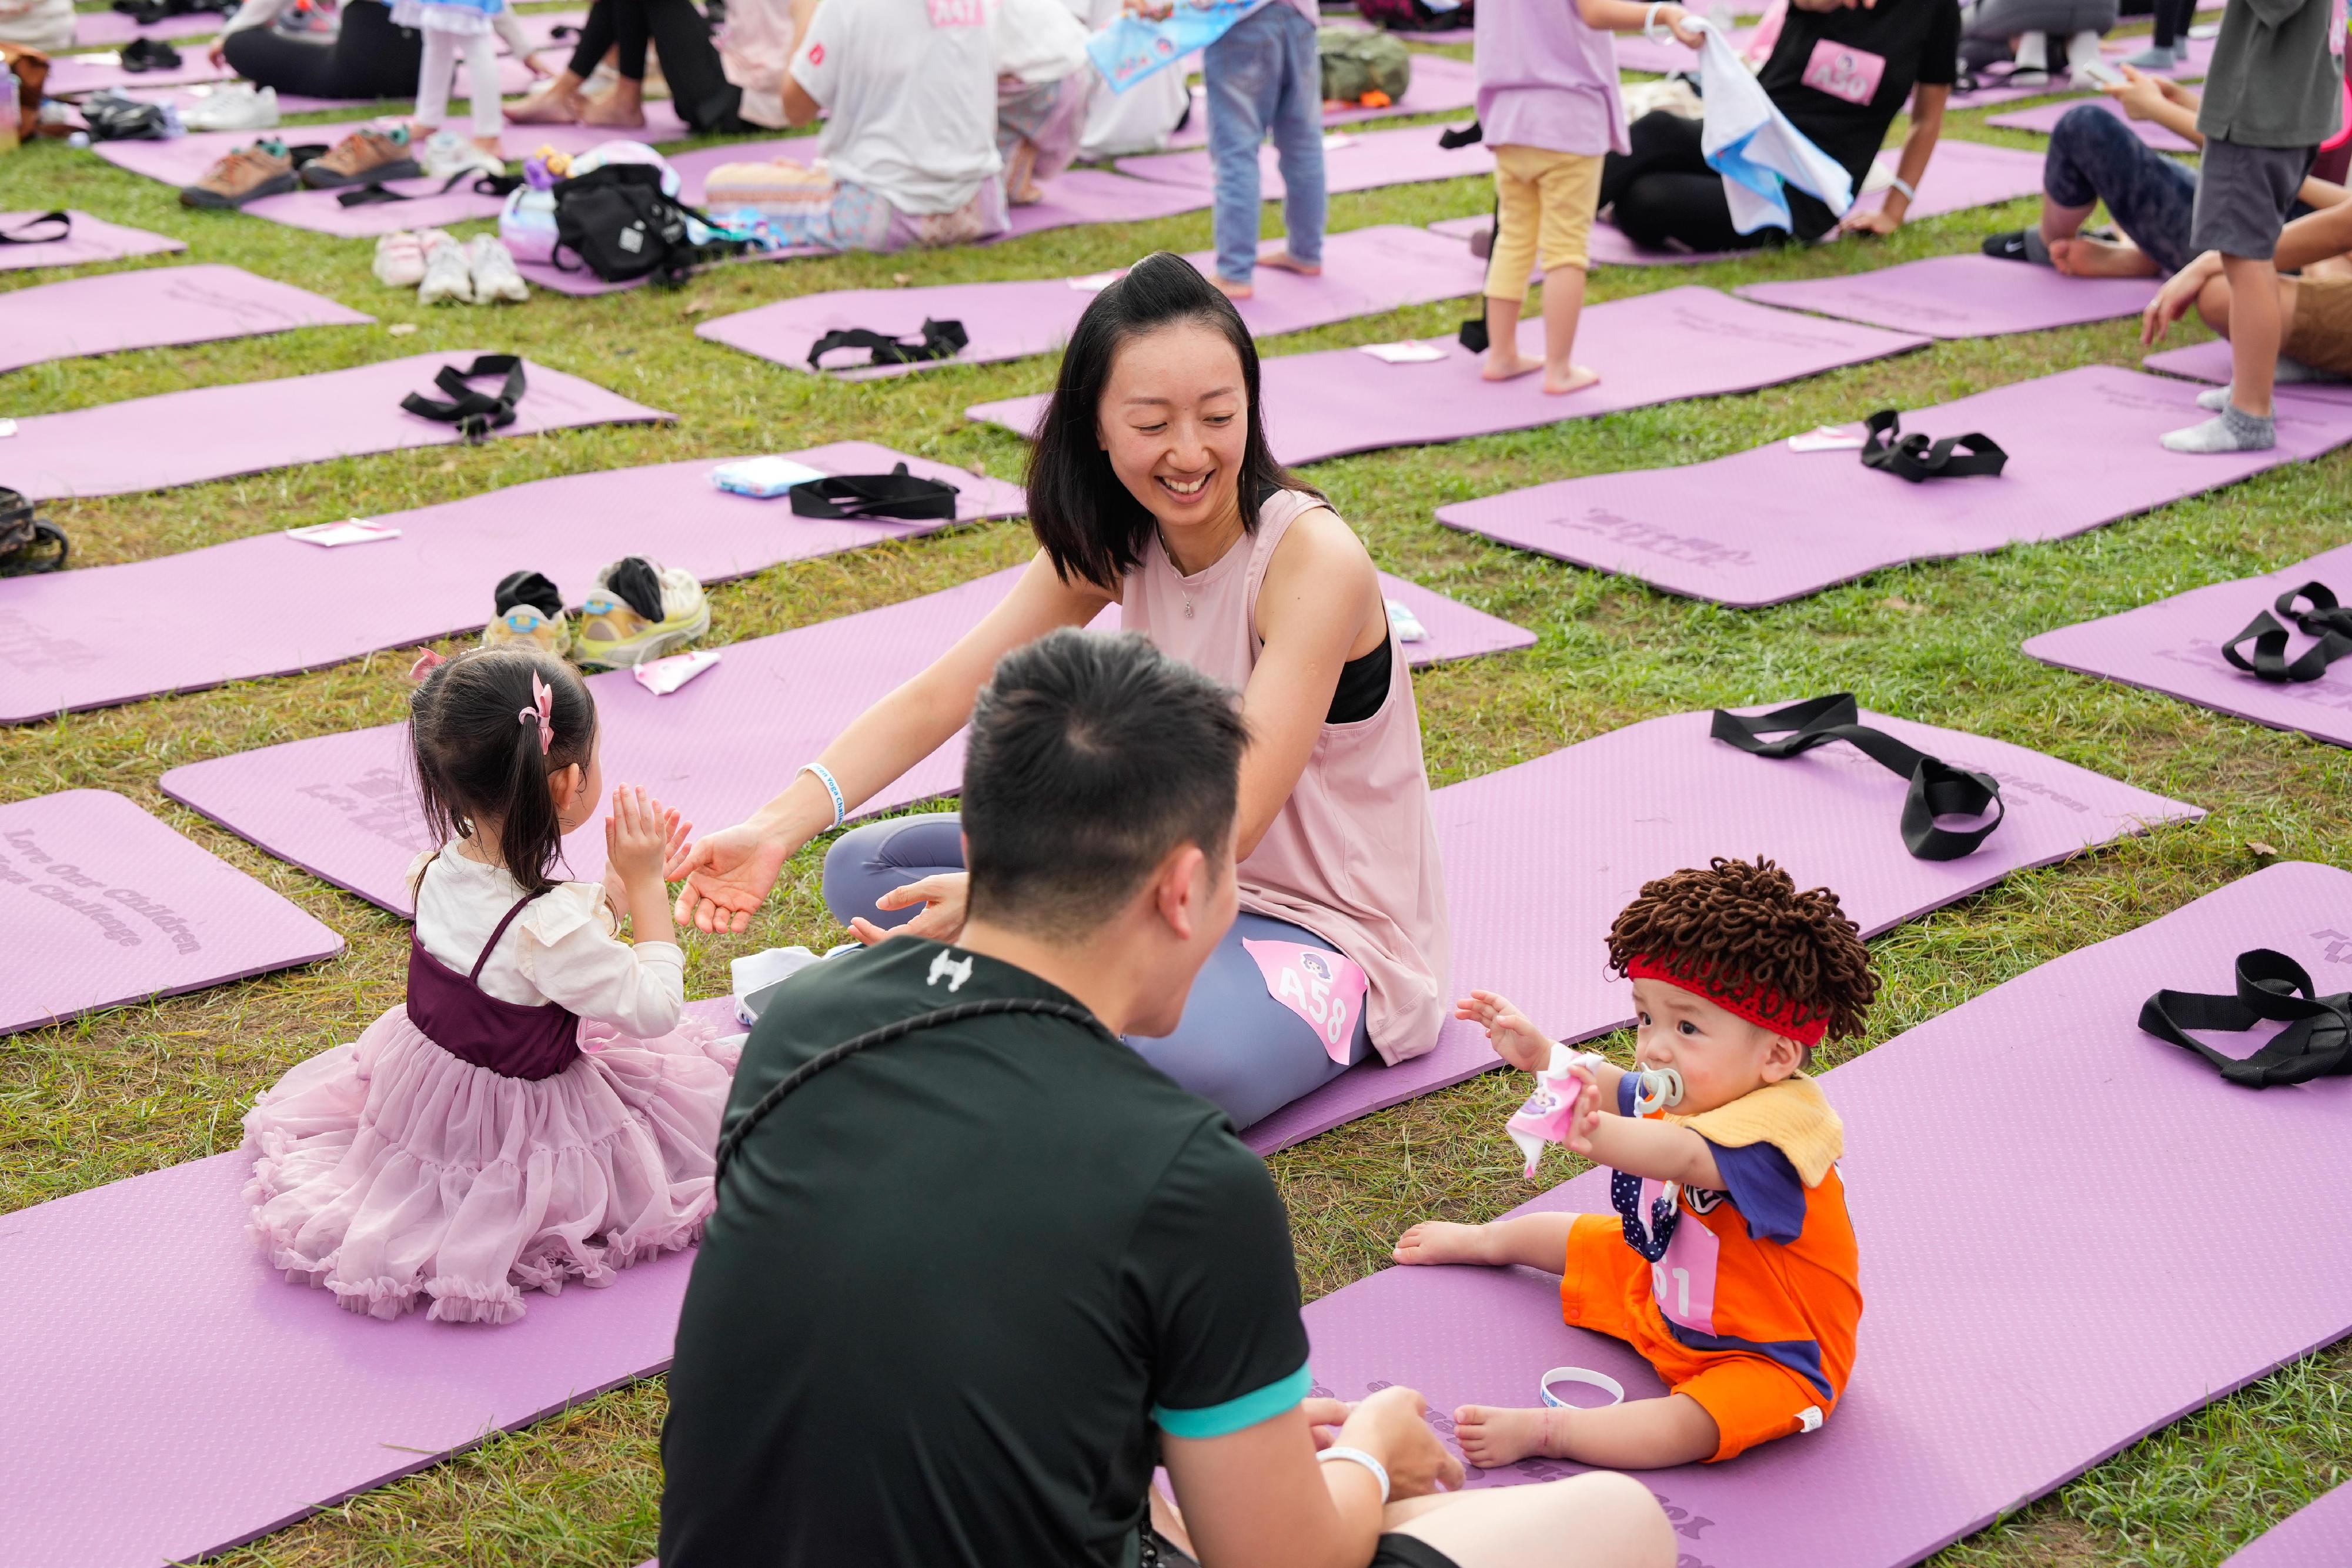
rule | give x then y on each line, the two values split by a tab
487	729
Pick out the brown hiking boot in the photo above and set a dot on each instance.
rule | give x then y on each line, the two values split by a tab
362	157
261	169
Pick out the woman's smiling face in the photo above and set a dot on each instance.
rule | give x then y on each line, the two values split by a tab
1174	421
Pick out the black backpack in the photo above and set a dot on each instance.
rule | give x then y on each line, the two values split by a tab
618	224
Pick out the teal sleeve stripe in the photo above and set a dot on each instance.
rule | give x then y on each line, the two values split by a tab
1233	1415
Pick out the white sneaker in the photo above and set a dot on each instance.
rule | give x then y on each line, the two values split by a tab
233	106
448	275
495	277
400	259
445	153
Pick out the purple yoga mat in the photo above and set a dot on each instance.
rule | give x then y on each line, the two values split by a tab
1653	347
1768	525
1961	297
75	640
2211	363
1441	85
215	432
89	239
340	806
1365	271
1606	815
2045	118
2317	1536
173	1398
70	76
1352	160
2174	646
154	307
94	29
2048	1276
179	87
102	904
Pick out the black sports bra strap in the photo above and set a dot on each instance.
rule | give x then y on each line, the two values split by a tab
2315	1043
474	974
1937	788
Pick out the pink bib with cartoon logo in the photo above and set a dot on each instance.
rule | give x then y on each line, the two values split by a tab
1318	984
1843	71
1682	1281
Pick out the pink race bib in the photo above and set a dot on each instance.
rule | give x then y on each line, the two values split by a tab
1682	1281
958	13
1843	71
1319	986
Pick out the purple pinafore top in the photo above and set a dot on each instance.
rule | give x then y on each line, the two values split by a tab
511	1039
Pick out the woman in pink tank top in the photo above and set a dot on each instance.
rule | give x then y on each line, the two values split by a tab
1152	487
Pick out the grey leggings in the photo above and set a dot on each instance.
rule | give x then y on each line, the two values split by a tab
1237	1045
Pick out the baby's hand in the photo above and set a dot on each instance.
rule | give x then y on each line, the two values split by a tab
639	835
1588	1113
1514	1036
1686	28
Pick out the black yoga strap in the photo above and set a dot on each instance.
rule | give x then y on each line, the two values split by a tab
937	340
897	494
1454	136
1917	459
2326	620
833	1056
468	410
375	193
2315	1043
1937	788
18	236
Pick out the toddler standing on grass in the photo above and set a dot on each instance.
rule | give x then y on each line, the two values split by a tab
1548	102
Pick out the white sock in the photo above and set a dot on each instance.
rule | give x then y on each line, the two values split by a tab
2033	51
2213	400
2232	429
2082	50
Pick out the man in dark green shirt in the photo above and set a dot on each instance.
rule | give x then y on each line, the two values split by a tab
970	1280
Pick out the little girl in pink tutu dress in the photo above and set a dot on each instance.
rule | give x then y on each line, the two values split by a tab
536	1111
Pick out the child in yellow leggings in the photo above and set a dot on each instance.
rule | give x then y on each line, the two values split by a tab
1547	102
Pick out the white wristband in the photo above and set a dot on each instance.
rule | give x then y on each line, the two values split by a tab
824	775
1650	30
1903	186
1358	1456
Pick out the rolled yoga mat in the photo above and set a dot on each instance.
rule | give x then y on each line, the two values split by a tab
1769	525
115	634
340	805
86	239
154	307
215	432
100	905
1961	297
1654	347
1352	160
1441	85
2056	1213
2174	646
1604	816
2319	1535
2211	363
1365	271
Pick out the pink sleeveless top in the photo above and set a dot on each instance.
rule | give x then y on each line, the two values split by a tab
1353	856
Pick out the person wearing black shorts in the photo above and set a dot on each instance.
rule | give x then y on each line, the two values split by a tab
364	58
976	1267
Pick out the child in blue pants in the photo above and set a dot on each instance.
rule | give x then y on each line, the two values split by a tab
1264	75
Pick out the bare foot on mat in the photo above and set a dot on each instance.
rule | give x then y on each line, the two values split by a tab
2083	257
1286	262
1492	1438
1442	1241
1579	378
1502	367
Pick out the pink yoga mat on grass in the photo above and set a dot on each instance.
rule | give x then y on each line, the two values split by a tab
2069	1235
94	29
2319	1535
1441	85
1607	814
184	158
2045	118
1961	297
154	307
1768	525
1365	271
2174	646
87	240
102	904
108	635
70	76
339	805
215	432
1352	160
1650	349
2209	362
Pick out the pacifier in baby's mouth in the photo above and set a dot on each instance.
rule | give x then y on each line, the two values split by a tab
1656	1089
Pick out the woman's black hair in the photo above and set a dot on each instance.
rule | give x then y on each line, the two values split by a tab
1089	523
478	761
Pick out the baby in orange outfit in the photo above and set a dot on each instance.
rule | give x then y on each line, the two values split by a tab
1729	1262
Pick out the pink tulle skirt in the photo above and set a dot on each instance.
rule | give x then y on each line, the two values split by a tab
396	1176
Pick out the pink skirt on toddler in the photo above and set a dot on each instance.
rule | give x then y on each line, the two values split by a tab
392	1174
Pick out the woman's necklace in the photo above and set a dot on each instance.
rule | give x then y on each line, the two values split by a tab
1178	568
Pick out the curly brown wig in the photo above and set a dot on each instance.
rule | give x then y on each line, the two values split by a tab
1743	930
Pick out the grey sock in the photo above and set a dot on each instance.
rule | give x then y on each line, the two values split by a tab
2213	400
2232	430
2037	249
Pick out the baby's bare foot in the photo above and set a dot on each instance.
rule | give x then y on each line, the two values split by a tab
1492	1438
1502	365
1442	1241
1286	262
1579	378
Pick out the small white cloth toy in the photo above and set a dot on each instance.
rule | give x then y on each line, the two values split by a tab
1549	1113
1751	144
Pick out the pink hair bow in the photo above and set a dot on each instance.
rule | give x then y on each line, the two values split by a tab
427	661
541	712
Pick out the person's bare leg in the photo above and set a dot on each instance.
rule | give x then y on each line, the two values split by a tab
2255	331
1639	1435
1537	1241
622	108
556	103
1503	360
1598	1521
2213	305
1563	303
1021	175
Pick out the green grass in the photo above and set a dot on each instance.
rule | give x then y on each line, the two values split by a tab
145	1087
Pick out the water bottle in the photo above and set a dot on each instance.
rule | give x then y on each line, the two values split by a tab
9	109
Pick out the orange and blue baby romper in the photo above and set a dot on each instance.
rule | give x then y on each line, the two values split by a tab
1746	1300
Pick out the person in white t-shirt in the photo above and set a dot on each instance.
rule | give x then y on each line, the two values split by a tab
908	89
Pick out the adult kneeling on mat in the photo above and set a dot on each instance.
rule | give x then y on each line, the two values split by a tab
1152	487
975	1269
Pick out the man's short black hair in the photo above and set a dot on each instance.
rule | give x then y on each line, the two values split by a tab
1091	758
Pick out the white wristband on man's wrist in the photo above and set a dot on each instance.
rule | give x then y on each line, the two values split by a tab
1358	1456
1903	186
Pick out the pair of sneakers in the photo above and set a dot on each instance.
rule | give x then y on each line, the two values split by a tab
441	267
638	610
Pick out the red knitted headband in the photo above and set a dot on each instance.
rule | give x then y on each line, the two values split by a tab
1763	1007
